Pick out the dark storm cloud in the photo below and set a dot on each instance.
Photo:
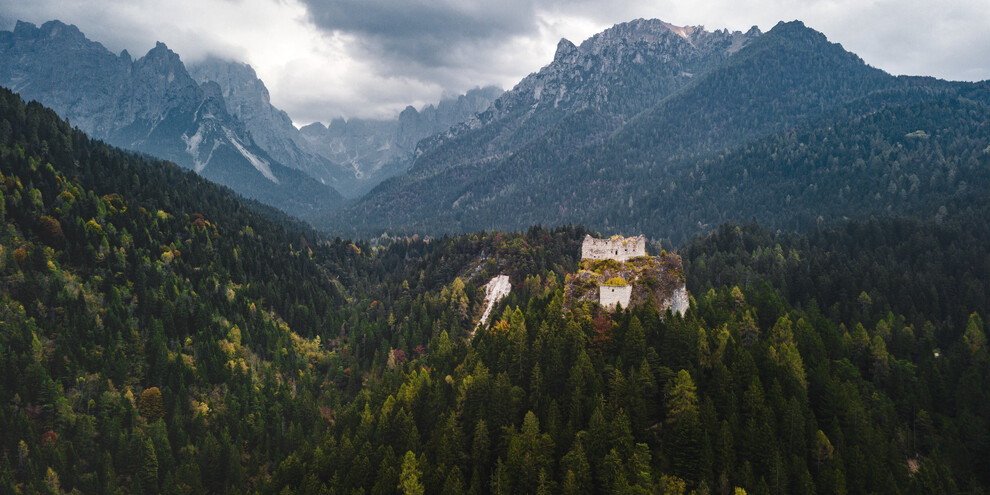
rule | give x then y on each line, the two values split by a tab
424	33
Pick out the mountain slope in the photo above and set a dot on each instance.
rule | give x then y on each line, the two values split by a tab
140	302
248	100
615	74
150	105
575	102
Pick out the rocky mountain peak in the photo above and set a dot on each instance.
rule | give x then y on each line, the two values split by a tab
23	29
54	35
616	73
640	31
162	72
594	74
50	29
797	31
564	49
162	53
162	62
248	100
234	77
58	29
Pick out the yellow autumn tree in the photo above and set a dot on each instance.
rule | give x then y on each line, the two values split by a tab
150	404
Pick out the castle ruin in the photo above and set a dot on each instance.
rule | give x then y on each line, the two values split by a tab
615	248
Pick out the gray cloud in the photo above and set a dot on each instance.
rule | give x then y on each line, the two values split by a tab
423	32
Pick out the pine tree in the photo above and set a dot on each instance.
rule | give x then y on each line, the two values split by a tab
577	471
149	467
409	482
682	396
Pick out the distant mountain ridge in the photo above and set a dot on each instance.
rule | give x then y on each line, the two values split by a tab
373	150
627	133
151	105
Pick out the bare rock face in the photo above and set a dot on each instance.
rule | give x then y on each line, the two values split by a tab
495	290
46	64
679	302
248	100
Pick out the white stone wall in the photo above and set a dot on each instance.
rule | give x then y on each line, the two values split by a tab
609	295
619	249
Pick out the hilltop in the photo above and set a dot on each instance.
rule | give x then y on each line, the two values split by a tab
655	280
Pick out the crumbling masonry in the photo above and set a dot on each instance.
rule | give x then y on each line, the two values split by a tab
617	248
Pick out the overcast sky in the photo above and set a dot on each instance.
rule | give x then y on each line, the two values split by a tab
323	59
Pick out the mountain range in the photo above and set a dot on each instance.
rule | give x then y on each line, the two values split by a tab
642	128
351	155
215	116
646	127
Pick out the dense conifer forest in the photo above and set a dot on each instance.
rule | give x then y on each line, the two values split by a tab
159	334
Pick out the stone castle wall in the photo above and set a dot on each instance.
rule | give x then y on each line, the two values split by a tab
610	295
616	248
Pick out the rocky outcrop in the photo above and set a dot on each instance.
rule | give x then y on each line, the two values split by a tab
495	290
679	302
656	280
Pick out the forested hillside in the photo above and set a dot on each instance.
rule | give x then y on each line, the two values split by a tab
849	361
160	336
148	319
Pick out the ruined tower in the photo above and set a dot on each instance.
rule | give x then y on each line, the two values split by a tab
614	248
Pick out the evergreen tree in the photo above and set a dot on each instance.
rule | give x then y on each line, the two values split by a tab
409	483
